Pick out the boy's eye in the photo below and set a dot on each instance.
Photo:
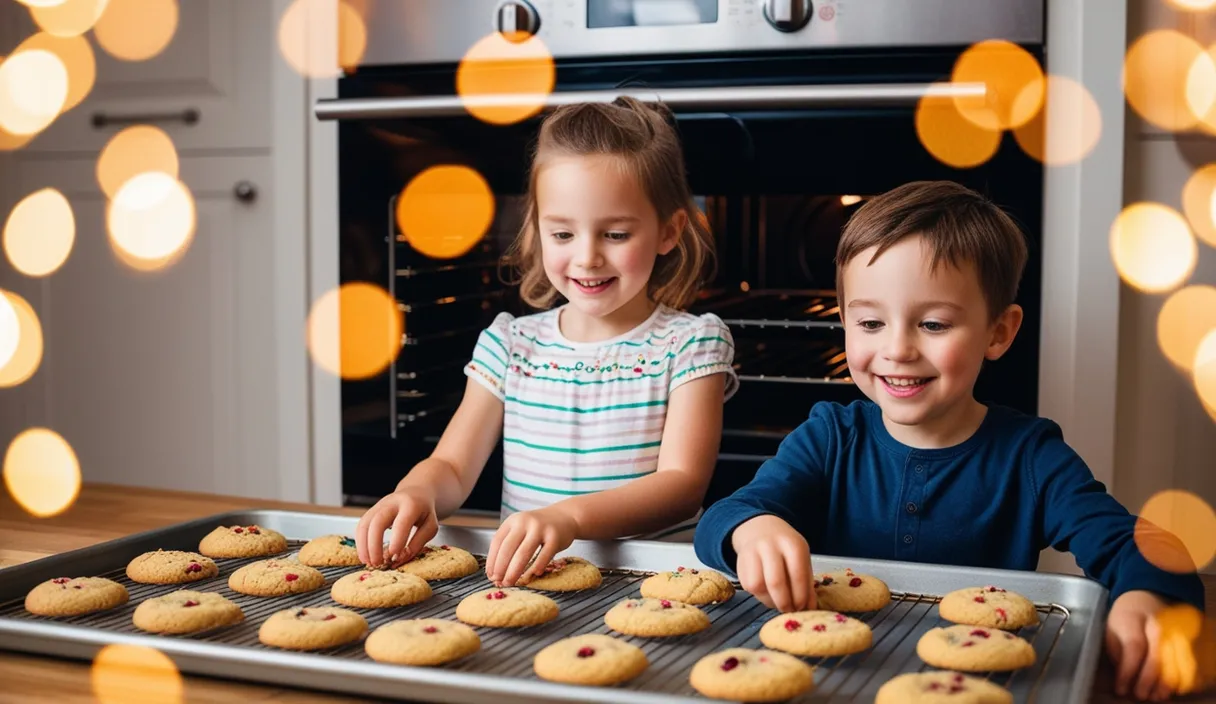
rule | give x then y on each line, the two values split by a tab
934	326
561	235
616	235
870	324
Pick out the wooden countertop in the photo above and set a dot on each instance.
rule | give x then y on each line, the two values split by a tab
106	512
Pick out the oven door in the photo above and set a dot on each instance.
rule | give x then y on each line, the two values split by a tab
780	150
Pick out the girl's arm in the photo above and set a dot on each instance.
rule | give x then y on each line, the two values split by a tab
692	433
436	486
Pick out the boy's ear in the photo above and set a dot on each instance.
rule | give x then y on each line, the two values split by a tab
1004	330
672	231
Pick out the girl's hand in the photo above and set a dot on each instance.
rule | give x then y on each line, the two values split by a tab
550	530
1133	638
402	510
774	564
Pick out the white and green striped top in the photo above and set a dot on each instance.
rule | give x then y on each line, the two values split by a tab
582	417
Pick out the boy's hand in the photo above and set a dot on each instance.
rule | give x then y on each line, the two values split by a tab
1133	638
402	510
774	563
550	530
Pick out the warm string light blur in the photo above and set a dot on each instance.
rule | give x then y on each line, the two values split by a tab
33	91
135	674
1186	648
41	3
309	43
1014	80
1152	247
41	472
151	221
355	331
1193	5
1203	370
1176	531
77	56
1199	203
136	30
1155	79
445	210
69	18
952	138
39	233
1187	315
25	360
10	331
133	151
504	80
1066	129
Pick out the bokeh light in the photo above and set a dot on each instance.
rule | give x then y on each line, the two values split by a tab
41	472
133	151
135	674
1014	80
39	233
77	56
1199	203
1200	89
11	142
1176	531
1203	370
41	3
10	331
1193	5
1156	72
502	80
151	221
70	18
1187	315
355	331
136	30
28	356
445	210
951	138
1186	649
309	43
1066	129
1152	247
33	90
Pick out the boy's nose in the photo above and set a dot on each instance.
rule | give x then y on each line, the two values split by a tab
900	348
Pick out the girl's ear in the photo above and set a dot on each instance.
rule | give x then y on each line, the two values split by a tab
670	236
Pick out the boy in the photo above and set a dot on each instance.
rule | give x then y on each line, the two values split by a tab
927	276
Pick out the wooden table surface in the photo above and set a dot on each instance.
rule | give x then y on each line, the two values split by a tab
106	512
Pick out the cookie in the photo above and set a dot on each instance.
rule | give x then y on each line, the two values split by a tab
275	577
506	608
435	562
746	675
590	659
691	586
656	618
817	633
242	541
974	649
373	589
426	641
171	567
312	628
944	687
988	606
850	592
73	596
186	611
568	574
330	551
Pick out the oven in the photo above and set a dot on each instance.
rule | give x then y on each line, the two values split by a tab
791	113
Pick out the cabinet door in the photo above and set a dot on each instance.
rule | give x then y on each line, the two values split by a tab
168	378
218	63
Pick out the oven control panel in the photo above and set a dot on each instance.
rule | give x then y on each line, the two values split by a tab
404	32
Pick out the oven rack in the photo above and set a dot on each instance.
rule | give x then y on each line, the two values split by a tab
774	308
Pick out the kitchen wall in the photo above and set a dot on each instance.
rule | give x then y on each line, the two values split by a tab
1165	439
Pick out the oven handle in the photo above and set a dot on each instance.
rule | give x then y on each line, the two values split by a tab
678	99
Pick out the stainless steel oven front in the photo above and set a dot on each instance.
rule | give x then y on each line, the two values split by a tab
791	112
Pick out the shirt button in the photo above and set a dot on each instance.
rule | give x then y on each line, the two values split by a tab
911	507
907	539
920	468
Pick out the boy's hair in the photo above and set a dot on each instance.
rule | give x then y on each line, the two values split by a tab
644	138
959	226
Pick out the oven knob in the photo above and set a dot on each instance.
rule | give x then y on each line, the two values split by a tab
516	20
787	15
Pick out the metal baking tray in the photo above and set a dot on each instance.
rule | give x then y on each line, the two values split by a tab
1067	639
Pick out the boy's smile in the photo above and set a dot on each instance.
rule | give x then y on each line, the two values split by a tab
916	339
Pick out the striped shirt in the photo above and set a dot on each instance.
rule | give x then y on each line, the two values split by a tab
583	417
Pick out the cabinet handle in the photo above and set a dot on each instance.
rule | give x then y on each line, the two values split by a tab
189	116
245	191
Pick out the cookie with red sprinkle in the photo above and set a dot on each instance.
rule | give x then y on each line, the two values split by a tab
690	585
506	608
817	633
186	611
242	541
312	628
974	649
746	675
421	642
171	567
655	618
850	592
590	659
275	577
990	606
941	688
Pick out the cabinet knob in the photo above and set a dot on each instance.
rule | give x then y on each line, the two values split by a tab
245	191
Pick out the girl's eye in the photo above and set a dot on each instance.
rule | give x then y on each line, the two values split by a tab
870	324
561	235
617	236
934	326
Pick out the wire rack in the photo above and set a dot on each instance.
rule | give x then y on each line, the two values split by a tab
509	652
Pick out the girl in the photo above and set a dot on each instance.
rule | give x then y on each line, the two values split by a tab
610	405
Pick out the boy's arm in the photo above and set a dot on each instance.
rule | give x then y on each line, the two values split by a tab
788	486
1079	516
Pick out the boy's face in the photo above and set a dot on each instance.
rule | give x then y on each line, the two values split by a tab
916	338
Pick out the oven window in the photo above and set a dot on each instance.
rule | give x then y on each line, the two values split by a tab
650	13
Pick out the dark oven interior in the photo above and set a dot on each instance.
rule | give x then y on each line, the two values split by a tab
776	188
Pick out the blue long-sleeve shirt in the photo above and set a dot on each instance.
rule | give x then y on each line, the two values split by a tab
995	500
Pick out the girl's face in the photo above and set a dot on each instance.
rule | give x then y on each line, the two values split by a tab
600	235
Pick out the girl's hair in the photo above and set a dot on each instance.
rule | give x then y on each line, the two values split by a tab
644	138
